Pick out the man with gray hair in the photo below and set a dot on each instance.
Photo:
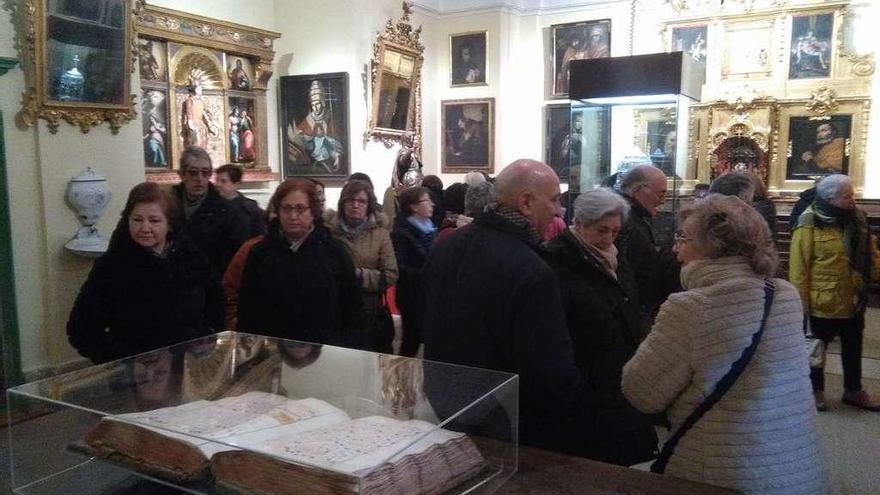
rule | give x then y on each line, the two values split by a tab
492	302
215	224
656	272
477	198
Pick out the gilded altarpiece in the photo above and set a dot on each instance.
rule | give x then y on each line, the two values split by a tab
783	78
203	83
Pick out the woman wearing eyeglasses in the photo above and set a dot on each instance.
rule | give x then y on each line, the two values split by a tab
726	360
299	282
152	288
413	236
364	230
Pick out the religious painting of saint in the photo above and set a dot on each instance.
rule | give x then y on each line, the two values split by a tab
467	53
240	72
200	120
154	118
810	51
818	147
576	41
468	135
692	41
565	128
153	59
315	125
242	133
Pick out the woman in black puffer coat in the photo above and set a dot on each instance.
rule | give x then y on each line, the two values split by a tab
152	288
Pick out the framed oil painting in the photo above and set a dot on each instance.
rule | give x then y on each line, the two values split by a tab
468	135
691	40
154	118
564	136
314	120
818	147
811	46
576	41
153	59
240	124
240	72
467	59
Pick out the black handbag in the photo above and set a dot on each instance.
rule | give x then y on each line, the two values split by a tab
723	385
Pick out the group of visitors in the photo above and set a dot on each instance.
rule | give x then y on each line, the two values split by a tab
609	332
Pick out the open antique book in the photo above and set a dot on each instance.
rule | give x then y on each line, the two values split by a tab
274	445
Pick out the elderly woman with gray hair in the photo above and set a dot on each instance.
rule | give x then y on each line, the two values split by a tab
602	314
726	360
833	257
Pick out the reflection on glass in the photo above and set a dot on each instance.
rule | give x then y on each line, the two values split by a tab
215	410
394	98
86	39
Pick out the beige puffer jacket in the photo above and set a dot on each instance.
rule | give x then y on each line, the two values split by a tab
761	437
370	249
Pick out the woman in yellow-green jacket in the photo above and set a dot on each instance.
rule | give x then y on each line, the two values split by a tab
833	257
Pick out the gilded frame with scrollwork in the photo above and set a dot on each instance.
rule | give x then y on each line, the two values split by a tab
821	107
79	58
396	75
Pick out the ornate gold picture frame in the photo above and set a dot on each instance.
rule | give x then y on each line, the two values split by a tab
396	82
822	125
80	56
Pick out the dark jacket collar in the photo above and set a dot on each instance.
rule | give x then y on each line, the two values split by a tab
566	244
211	196
635	207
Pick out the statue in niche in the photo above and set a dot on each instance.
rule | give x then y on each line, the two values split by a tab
197	123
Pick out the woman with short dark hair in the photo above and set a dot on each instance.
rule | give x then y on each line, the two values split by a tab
364	230
298	281
152	288
413	236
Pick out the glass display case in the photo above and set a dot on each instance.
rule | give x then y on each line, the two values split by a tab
628	111
237	413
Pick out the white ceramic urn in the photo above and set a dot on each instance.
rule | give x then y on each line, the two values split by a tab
88	194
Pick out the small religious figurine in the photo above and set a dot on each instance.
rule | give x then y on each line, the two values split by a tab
196	120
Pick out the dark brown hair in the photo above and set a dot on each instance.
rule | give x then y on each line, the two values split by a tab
150	192
433	183
410	196
306	186
233	171
351	189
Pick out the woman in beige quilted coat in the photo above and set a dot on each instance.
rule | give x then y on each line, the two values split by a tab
364	230
761	437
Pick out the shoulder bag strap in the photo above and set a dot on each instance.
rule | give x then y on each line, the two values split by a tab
723	385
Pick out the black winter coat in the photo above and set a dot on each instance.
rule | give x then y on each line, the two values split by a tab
311	295
656	272
134	301
411	248
492	302
217	227
602	314
255	215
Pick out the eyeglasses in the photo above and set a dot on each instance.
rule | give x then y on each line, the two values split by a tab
196	172
426	200
660	196
357	201
299	210
680	238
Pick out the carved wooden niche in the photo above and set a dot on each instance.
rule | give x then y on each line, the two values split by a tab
203	83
